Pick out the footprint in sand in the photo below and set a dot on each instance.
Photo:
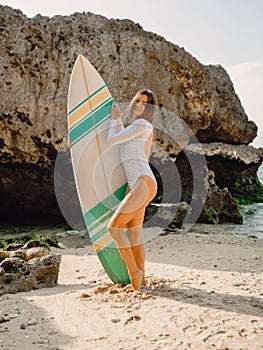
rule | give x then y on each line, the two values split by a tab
132	318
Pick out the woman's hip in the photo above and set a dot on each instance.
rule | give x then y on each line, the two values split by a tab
146	187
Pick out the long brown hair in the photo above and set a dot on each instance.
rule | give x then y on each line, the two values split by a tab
150	108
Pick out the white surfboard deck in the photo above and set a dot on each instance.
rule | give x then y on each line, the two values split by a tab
99	175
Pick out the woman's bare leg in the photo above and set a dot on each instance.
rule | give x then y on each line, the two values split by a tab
129	211
139	256
126	251
135	236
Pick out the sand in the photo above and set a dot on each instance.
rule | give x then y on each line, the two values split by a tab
203	292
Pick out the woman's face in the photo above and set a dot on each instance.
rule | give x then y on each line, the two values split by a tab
139	105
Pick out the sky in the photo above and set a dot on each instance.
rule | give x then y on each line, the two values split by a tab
225	32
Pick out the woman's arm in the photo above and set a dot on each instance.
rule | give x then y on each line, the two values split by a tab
136	129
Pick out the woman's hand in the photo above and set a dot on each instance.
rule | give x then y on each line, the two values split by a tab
68	142
115	111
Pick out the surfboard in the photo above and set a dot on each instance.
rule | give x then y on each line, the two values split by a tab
98	173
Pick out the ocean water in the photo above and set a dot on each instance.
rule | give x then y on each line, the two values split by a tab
252	221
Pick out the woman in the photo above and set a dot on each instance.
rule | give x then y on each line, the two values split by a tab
135	145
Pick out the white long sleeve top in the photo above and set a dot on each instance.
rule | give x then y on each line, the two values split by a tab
132	140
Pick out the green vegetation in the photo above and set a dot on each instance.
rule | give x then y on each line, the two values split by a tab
208	216
28	241
248	193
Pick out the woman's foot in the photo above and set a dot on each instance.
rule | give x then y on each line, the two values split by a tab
136	280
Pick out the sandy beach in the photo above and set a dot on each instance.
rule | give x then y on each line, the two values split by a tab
203	292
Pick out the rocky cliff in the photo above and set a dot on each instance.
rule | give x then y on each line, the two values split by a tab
37	56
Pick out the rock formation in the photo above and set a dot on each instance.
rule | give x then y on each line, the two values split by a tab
17	275
26	263
235	168
37	56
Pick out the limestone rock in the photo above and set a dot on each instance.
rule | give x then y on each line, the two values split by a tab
235	167
228	124
184	209
3	254
31	253
18	275
164	215
242	153
37	56
210	203
220	206
45	270
13	265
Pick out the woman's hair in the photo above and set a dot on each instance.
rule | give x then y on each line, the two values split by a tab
150	107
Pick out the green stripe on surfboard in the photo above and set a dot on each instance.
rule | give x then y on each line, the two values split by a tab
98	211
85	100
88	124
89	131
94	110
100	222
99	234
111	254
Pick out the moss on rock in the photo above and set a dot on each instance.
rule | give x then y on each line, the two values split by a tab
248	191
208	216
28	241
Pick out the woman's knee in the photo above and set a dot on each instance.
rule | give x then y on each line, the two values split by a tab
115	227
